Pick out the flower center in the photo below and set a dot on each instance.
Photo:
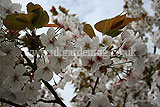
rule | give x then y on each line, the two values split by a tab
60	60
51	41
91	62
103	69
74	36
7	11
100	105
31	88
86	46
99	58
15	78
46	68
105	41
125	47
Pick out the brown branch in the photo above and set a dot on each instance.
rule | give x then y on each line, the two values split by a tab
29	62
89	102
154	51
47	101
35	61
125	98
50	88
93	90
10	103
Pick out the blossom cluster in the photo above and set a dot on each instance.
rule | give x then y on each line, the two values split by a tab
125	74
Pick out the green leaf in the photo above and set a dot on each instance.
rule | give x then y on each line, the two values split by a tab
12	23
36	17
27	18
111	25
114	32
33	42
63	10
41	18
89	30
31	7
54	11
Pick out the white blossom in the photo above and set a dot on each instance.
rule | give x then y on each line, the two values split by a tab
50	40
7	7
86	43
99	100
45	72
107	40
15	79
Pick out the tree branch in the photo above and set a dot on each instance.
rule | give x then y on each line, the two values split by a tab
35	61
125	98
29	62
10	103
154	51
50	88
45	101
93	90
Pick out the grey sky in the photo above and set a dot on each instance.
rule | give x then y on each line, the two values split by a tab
90	11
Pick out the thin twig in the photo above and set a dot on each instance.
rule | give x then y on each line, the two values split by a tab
50	88
45	101
29	62
58	29
35	61
10	103
125	98
154	50
93	90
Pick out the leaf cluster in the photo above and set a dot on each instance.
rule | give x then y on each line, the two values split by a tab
36	18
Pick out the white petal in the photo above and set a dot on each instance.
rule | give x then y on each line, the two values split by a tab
47	76
51	32
38	74
20	69
16	7
16	51
23	79
15	86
